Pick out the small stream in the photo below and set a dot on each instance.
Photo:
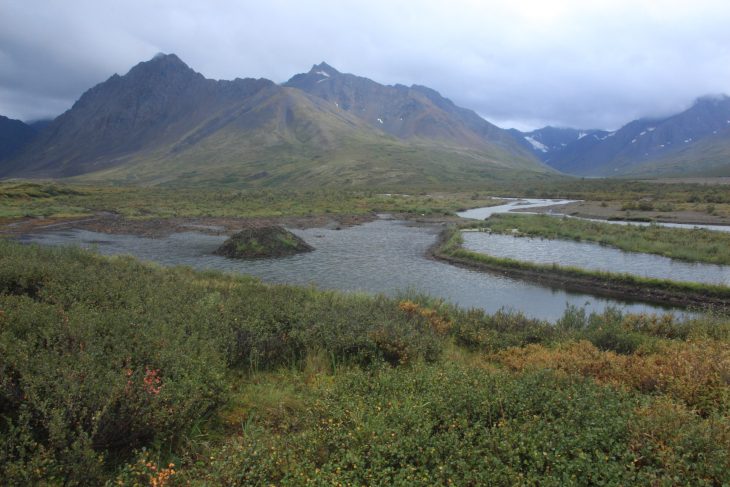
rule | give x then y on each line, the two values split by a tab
588	255
594	256
512	204
519	205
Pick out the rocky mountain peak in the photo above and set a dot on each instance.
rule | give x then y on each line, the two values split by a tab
712	100
162	65
323	69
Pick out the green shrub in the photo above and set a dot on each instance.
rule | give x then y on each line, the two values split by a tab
449	424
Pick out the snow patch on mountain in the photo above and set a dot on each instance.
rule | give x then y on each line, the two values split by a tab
537	145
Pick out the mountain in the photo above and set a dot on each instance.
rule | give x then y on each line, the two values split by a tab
162	122
709	157
154	104
693	142
39	125
550	143
410	113
14	136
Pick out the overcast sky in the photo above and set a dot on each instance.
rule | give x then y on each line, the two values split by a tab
579	63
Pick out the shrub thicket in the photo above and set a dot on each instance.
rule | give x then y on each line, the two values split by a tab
117	371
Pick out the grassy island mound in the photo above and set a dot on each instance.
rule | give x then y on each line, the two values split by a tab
262	242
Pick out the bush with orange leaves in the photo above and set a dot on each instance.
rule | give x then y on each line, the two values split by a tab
146	472
440	324
696	373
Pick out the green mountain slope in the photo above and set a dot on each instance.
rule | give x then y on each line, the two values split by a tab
283	137
706	158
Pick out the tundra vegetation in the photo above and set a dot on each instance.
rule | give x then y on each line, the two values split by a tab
261	242
118	372
21	199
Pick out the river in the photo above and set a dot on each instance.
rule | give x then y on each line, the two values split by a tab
383	256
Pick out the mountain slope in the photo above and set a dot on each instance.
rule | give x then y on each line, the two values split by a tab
164	123
551	143
709	157
14	136
152	105
411	113
693	142
285	137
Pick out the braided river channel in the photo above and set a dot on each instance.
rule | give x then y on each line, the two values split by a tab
390	257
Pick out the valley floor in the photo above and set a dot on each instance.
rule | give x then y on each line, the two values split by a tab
117	372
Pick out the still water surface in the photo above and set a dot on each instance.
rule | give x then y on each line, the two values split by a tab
383	256
595	257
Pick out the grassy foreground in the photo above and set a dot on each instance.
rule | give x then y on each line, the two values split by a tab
113	371
695	245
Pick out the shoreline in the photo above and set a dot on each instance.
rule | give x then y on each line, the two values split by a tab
114	223
622	286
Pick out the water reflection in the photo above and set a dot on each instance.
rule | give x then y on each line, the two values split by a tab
595	257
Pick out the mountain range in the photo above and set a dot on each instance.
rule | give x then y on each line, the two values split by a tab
695	142
162	122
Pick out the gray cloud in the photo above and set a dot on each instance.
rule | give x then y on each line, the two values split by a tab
591	64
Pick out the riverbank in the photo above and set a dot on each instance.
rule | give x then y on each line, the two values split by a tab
29	206
667	212
623	286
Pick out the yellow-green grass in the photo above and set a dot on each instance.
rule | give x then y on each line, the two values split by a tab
56	200
59	199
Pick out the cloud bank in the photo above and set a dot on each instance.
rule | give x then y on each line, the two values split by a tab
525	63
